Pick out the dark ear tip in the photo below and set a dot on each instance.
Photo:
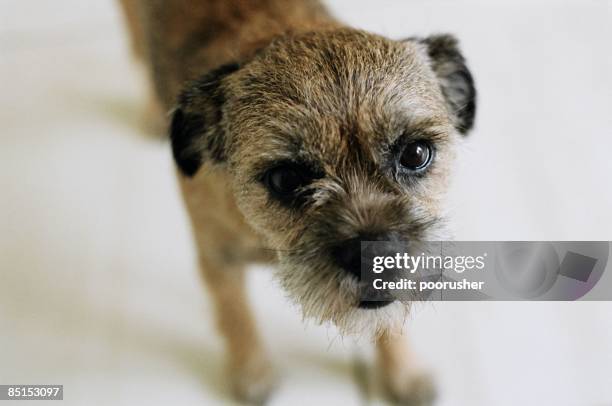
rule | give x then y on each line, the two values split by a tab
176	122
458	84
444	38
183	128
442	44
189	167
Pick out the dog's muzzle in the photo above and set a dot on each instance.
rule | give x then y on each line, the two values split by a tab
348	256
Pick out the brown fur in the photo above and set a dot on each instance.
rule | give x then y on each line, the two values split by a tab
258	82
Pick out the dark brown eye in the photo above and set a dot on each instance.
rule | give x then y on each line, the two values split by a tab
417	155
285	180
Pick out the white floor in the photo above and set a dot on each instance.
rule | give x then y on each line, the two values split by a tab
98	289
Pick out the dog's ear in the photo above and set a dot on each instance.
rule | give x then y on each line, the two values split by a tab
455	78
196	131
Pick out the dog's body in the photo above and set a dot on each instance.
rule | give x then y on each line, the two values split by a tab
295	136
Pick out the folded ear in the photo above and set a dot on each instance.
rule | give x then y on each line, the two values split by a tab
196	131
456	80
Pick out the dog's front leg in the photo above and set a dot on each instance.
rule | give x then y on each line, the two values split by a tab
250	371
402	382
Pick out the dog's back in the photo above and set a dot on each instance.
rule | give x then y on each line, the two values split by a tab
181	39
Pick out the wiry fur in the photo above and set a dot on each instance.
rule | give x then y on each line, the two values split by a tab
342	115
252	83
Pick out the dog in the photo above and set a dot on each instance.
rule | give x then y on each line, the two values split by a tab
296	138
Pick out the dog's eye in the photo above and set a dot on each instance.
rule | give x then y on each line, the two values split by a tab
285	180
416	155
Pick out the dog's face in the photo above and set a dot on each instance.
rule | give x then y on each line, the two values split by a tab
333	138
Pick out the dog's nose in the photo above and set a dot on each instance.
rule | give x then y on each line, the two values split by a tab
347	255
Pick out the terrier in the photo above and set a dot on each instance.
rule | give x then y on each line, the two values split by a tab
296	138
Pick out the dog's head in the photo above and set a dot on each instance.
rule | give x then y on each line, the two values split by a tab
332	138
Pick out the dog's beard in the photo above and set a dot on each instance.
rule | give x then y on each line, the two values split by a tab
327	294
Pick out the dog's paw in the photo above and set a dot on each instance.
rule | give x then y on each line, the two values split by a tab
253	381
414	390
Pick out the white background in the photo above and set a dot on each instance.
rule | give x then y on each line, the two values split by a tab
98	288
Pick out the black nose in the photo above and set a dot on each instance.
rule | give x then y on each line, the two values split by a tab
347	255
